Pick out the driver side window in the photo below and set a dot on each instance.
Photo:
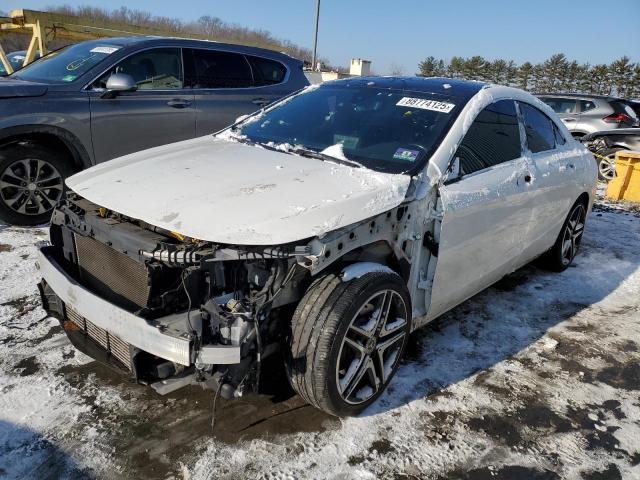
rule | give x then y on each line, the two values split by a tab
493	138
157	69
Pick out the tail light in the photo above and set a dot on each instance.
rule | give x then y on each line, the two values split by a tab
618	118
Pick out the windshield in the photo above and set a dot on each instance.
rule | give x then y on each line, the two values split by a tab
393	131
66	64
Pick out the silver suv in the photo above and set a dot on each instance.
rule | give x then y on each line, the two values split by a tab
584	114
101	99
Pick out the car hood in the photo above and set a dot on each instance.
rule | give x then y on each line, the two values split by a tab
11	88
228	192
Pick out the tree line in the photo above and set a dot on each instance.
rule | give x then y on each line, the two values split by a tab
556	74
211	27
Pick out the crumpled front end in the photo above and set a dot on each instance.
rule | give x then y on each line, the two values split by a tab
166	309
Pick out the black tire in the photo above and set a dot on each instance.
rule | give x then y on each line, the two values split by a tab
31	182
557	259
606	166
319	347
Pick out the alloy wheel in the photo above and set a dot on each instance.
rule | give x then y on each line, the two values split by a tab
572	235
371	347
607	167
31	186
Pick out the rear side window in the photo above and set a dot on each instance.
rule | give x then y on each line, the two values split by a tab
266	72
586	105
216	69
493	138
561	105
539	129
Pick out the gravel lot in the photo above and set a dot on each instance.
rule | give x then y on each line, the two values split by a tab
536	378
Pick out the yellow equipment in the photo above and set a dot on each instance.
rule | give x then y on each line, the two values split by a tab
626	184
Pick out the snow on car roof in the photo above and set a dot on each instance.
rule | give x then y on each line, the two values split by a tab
446	86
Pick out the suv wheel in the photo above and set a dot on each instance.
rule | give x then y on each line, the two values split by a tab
347	340
31	183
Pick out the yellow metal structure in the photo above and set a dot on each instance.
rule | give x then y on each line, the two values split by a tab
626	184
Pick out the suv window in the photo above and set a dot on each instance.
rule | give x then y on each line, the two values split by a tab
539	129
586	105
216	69
493	138
155	69
266	72
561	105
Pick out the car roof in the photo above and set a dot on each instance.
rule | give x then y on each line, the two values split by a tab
444	86
148	40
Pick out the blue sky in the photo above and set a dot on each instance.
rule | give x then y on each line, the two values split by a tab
402	32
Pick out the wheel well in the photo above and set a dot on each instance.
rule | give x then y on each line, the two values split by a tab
578	135
584	199
377	252
50	141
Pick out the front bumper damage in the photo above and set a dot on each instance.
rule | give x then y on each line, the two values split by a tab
75	306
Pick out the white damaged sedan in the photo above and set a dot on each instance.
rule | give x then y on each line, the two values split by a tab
326	227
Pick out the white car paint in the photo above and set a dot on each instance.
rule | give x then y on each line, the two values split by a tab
228	192
488	224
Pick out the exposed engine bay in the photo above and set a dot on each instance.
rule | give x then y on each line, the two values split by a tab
225	308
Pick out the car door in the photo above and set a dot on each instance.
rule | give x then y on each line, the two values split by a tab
486	209
227	85
554	162
566	109
160	111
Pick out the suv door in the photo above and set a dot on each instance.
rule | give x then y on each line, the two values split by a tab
160	111
485	209
227	85
566	108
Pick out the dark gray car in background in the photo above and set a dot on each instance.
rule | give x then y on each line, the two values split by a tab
584	114
97	100
605	144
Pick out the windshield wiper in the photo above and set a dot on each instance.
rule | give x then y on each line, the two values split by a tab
307	152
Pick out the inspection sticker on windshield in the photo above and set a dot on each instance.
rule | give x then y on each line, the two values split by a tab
425	104
105	49
406	155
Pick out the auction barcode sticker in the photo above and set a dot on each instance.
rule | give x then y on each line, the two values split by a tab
425	104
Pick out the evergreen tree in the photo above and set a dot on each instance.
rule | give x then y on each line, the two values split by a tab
621	73
431	67
524	76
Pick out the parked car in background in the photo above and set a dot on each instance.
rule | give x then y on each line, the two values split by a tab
605	144
583	114
100	99
328	227
16	59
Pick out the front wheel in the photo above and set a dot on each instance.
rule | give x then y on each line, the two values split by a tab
347	340
31	183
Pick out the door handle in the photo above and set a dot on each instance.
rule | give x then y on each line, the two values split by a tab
568	119
527	177
260	101
179	103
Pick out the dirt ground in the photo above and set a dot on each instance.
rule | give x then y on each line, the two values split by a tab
536	378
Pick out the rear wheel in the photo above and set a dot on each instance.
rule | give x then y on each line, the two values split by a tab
561	255
347	340
31	183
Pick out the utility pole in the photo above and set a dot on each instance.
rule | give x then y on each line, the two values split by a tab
315	40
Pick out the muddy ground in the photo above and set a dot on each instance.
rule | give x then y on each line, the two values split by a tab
536	378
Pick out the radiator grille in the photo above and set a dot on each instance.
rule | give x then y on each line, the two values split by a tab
106	340
112	274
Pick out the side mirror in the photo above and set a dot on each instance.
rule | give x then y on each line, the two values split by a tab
119	83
